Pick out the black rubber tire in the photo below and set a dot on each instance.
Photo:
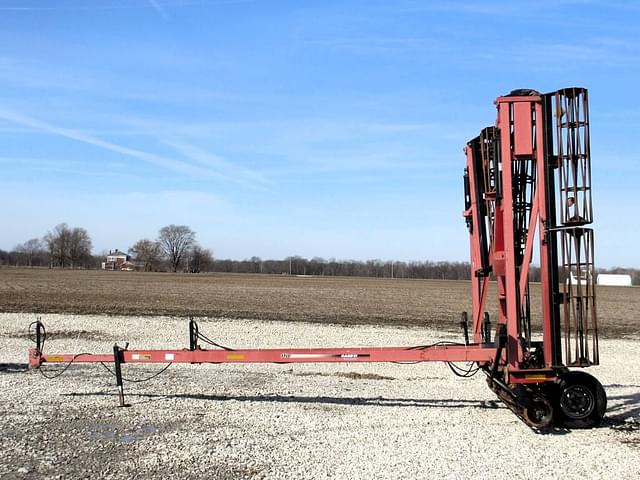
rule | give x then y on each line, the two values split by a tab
579	401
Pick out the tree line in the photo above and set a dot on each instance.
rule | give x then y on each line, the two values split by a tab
176	249
63	247
297	265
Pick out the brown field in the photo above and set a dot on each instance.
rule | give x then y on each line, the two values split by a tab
267	297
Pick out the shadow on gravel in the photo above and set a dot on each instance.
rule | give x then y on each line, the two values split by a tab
624	416
14	367
322	400
627	405
627	408
349	375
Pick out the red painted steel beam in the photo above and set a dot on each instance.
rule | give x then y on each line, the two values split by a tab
545	260
440	353
507	274
478	296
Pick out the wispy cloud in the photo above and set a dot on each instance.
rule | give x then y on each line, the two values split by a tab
151	158
504	8
64	166
158	8
97	142
374	44
228	169
313	147
600	52
112	79
126	6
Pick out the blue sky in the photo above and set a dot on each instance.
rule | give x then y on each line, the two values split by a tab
273	128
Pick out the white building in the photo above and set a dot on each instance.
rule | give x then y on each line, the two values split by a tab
115	260
614	279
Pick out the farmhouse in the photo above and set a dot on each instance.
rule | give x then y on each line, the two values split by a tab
116	260
614	279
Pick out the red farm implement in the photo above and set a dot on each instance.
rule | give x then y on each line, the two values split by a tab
527	188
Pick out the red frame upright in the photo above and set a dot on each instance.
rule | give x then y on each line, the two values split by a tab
520	121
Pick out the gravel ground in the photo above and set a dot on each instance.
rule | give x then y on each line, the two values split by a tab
286	421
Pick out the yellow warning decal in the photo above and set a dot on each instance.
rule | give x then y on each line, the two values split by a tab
54	358
235	356
535	377
140	356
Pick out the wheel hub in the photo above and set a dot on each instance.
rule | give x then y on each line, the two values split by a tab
577	402
539	413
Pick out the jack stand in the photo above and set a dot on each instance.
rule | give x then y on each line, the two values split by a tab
39	335
117	361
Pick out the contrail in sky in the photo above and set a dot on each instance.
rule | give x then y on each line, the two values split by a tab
175	165
161	11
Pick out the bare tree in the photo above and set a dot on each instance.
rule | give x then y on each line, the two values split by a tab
175	241
257	264
79	247
31	249
68	247
57	242
199	259
147	251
